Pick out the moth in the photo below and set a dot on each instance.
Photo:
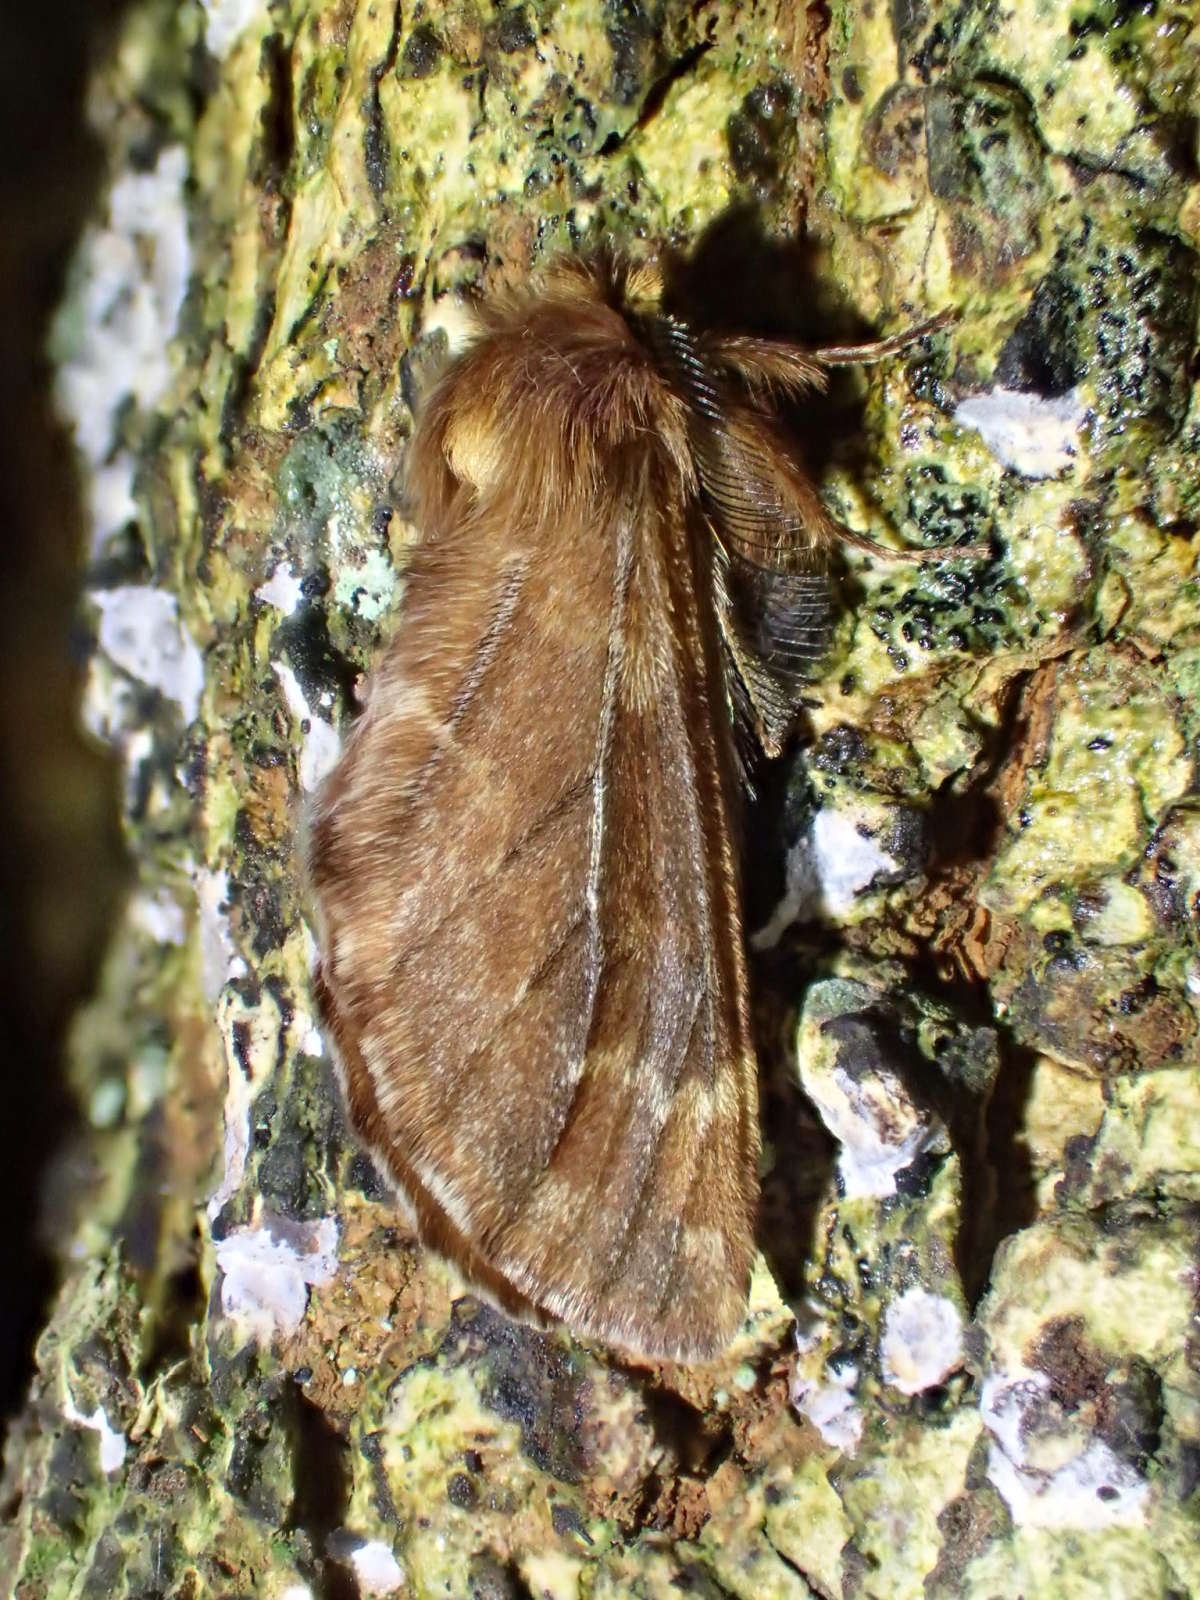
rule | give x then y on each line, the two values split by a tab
525	866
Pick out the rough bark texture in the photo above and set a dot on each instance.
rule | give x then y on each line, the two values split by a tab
979	994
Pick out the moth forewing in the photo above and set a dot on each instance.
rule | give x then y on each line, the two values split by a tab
532	956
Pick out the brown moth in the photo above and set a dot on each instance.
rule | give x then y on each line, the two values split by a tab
524	868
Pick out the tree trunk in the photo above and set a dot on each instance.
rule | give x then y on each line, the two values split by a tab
966	1369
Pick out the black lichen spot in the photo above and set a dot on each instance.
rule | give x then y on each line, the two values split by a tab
491	1579
842	750
565	1520
908	19
315	585
933	56
757	133
363	1175
1074	1366
376	145
634	31
266	1108
283	1174
303	641
945	511
1042	354
1132	1423
527	1378
260	897
422	52
577	126
908	843
893	136
915	1180
1077	1163
381	1493
870	1043
1144	302
514	31
967	1524
461	1492
986	164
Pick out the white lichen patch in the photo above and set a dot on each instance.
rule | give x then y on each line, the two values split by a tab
1050	1472
830	1406
252	1039
376	1567
862	1101
159	916
835	862
1028	434
321	746
876	1123
115	337
140	631
106	1104
225	21
880	1133
368	589
1115	914
282	589
219	958
112	1440
922	1341
310	1041
267	1270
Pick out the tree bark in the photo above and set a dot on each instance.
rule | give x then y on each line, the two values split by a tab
966	1369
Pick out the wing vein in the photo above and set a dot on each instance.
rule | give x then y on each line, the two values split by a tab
635	1211
538	976
608	715
563	804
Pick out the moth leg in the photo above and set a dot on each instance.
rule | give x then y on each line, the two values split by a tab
849	355
777	365
913	555
766	366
